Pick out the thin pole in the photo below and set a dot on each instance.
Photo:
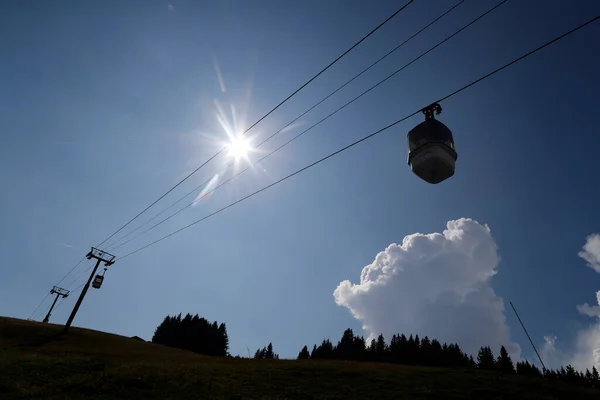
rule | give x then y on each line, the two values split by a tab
81	296
528	337
50	310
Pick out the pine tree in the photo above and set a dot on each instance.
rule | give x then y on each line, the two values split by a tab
410	350
562	373
270	354
472	364
313	352
595	377
393	352
436	353
485	359
304	354
504	362
381	349
359	348
324	351
225	339
402	349
345	347
425	348
372	351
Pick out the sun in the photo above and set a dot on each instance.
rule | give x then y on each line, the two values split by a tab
239	147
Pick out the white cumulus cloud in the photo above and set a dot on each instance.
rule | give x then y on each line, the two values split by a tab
591	252
590	311
436	284
587	344
551	354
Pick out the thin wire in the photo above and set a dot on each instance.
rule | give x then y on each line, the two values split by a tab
77	288
370	135
317	123
263	117
39	305
81	274
112	247
71	270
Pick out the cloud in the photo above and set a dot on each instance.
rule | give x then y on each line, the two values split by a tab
587	348
436	284
170	6
551	354
586	352
591	252
67	245
549	346
590	311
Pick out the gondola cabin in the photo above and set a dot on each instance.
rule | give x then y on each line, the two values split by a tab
431	152
97	283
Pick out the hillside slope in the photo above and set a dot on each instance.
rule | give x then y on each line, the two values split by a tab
36	363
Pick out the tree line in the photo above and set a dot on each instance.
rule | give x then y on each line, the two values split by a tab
197	334
413	350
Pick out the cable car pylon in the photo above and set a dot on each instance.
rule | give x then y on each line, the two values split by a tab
100	256
60	292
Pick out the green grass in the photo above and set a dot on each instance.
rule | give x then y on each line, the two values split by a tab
37	363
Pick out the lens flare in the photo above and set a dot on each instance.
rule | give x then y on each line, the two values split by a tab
208	187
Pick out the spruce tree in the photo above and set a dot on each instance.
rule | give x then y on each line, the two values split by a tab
304	354
485	359
595	377
381	349
504	362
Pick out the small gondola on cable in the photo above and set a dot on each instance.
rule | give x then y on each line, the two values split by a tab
98	279
431	152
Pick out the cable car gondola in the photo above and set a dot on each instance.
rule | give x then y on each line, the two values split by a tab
431	153
98	279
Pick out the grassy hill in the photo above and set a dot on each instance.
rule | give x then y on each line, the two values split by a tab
37	363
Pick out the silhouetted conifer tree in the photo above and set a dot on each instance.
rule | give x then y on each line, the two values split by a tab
260	353
595	377
313	352
324	351
588	377
436	353
472	364
485	359
381	349
425	348
304	354
504	362
372	351
345	347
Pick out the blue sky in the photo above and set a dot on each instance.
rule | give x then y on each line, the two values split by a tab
105	105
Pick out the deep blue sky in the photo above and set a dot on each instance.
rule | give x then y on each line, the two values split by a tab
105	105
